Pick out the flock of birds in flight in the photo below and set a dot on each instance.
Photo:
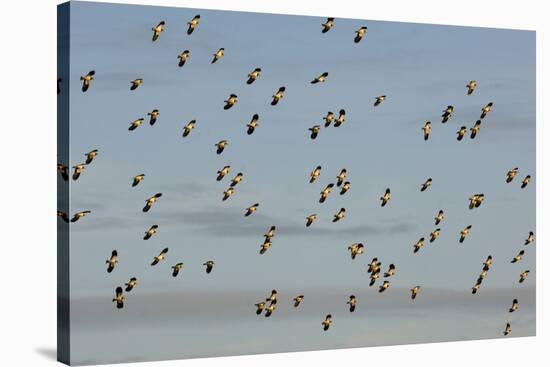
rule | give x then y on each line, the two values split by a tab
268	306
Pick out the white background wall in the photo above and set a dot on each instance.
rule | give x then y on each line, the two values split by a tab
28	177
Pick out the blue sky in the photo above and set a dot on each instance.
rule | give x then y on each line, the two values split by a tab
421	68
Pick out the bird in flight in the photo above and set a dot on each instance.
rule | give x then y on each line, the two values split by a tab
320	78
253	124
385	198
112	261
253	75
298	299
187	128
518	257
230	101
414	292
359	34
222	173
426	129
157	30
310	219
434	234
277	96
227	193
326	192
161	256
265	246
384	286
327	25
426	184
137	179
182	58
150	232
218	55
340	215
514	306
314	131
63	216
153	116
119	298
530	238
220	146
131	284
176	269
464	232
390	272
87	79
523	276
328	118
476	200
485	110
259	307
209	266
418	245
439	217
461	132
192	24
150	201
352	302
507	329
345	187
78	169
273	296
237	179
251	209
136	83
341	118
471	87
475	129
314	174
270	232
90	156
356	249
63	171
447	113
511	174
79	215
379	100
326	322
135	124
525	181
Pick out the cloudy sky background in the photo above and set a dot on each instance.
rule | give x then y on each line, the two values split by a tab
421	68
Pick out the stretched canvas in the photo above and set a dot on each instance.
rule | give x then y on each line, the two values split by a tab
238	183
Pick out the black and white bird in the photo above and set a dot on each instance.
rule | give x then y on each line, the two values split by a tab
277	96
447	114
320	78
253	75
87	80
327	25
112	261
157	30
182	58
209	266
485	110
352	302
161	256
150	201
217	55
119	298
359	34
192	24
